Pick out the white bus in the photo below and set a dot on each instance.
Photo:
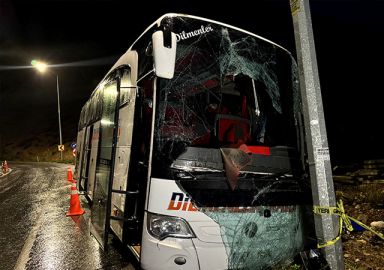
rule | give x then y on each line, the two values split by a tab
191	149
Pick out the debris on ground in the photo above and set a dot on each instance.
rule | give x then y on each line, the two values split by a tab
362	193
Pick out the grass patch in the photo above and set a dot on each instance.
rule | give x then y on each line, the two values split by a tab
66	161
373	194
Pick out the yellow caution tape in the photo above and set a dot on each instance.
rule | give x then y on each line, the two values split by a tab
339	211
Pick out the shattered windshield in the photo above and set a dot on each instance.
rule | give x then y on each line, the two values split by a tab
229	88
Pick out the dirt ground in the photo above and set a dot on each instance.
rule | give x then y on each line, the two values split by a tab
364	203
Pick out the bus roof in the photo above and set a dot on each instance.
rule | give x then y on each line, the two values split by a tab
122	61
158	22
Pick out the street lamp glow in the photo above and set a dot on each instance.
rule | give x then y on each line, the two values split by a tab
41	67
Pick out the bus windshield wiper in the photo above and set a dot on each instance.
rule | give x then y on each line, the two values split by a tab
287	173
205	173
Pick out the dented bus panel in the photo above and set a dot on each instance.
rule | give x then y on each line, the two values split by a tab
192	148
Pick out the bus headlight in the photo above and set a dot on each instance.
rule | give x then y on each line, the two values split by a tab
161	227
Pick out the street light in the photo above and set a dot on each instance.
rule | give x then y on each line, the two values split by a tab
42	67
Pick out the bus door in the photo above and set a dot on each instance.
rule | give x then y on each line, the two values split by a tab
101	206
93	159
85	159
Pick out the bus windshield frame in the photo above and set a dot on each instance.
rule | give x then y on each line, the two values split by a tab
229	88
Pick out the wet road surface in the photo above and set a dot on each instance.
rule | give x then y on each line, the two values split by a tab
36	234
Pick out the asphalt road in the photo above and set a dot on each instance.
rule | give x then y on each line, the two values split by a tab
35	232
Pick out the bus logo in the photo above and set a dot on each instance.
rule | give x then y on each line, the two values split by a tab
181	202
196	32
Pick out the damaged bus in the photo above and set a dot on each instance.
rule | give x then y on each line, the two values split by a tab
191	149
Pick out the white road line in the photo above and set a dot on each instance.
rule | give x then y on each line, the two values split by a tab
24	254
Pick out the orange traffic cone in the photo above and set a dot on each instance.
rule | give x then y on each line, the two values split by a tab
69	177
75	207
6	166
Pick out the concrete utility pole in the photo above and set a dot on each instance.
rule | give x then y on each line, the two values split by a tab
323	193
58	108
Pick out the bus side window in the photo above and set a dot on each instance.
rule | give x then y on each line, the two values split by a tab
125	85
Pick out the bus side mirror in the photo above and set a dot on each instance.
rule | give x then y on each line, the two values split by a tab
164	52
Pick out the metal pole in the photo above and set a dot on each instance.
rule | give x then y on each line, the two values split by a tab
323	194
58	106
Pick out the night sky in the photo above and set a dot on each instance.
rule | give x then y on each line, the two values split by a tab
81	40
